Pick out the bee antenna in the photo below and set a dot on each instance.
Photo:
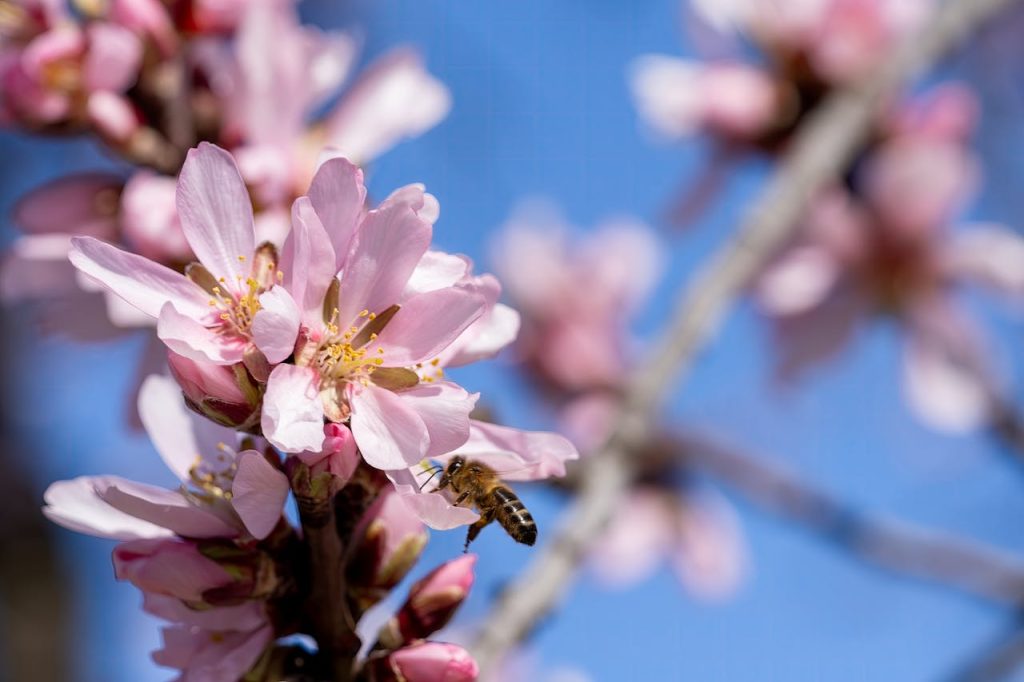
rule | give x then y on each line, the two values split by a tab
431	478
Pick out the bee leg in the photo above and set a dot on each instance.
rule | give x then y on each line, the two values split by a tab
461	498
478	525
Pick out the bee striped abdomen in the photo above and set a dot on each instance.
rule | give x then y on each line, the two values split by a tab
513	516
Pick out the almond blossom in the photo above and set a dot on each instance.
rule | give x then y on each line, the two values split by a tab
883	249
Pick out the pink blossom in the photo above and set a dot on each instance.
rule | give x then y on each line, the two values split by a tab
367	338
697	531
679	98
885	251
576	299
224	494
432	602
208	315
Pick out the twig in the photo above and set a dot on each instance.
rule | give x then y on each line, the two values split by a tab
821	150
998	660
894	545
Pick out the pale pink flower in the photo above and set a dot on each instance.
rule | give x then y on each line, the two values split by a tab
886	251
679	97
366	339
698	532
211	313
576	296
224	493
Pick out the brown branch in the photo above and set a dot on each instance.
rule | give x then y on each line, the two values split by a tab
894	545
821	151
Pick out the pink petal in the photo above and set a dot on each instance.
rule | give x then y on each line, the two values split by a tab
113	57
168	567
433	662
946	376
216	213
166	508
276	325
146	285
434	509
394	99
258	493
636	541
485	338
436	270
415	197
75	505
384	253
338	196
293	417
149	218
308	260
390	435
245	617
36	266
207	656
428	323
667	94
992	255
518	455
800	280
710	556
83	204
163	414
444	408
113	116
185	336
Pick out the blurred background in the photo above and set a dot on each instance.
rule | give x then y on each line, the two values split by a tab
542	110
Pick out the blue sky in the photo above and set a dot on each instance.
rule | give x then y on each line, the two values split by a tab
541	109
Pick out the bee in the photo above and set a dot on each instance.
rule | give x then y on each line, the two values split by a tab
480	485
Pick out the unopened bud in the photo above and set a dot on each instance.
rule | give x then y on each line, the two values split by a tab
424	662
224	393
388	545
169	567
431	604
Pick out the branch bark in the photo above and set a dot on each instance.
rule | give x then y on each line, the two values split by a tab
821	151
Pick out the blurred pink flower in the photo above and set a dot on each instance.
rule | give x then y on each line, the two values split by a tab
698	532
576	296
885	250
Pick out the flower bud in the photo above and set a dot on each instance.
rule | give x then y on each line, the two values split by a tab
225	394
424	662
387	546
431	604
168	567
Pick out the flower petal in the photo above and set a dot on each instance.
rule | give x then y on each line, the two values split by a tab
276	325
992	255
799	281
394	99
518	455
185	336
166	508
146	285
384	254
81	204
167	423
308	260
112	60
436	270
258	493
216	213
428	323
338	197
293	418
75	505
433	509
244	617
444	408
389	434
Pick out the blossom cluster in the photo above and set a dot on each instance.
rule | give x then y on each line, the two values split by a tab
316	369
879	241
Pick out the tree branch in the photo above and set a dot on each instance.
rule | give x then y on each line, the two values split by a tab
821	151
895	545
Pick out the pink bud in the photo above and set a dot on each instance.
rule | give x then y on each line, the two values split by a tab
339	455
432	603
388	544
169	567
225	394
149	219
427	662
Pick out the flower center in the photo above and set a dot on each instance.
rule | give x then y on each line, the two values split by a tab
350	356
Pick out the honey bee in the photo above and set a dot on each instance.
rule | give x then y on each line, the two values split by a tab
481	486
